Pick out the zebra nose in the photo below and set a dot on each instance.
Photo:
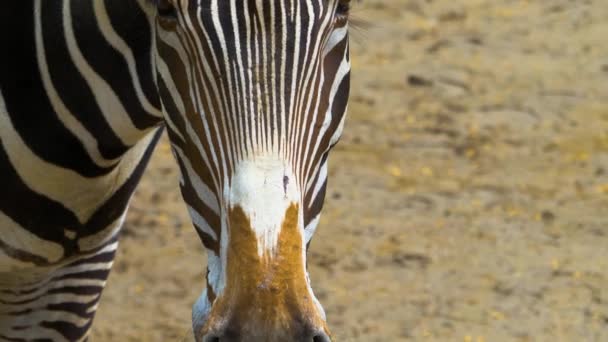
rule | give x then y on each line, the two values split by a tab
295	333
220	337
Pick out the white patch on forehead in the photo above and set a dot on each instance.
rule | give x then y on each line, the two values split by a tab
264	187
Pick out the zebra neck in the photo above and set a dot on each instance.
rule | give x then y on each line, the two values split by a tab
79	112
96	62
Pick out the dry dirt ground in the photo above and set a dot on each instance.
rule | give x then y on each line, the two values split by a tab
468	199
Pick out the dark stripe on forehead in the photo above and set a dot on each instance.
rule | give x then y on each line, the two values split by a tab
214	55
203	82
180	76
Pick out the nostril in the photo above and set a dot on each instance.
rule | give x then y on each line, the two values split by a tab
211	338
321	337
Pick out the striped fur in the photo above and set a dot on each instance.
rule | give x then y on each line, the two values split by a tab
253	95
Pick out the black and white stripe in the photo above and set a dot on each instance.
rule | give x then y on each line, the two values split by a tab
83	89
79	117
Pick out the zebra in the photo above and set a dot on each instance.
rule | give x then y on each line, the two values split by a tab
253	95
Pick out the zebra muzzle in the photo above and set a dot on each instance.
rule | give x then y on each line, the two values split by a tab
267	297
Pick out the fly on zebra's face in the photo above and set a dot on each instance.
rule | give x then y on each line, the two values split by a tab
254	95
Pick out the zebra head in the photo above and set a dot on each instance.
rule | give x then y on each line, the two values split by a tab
254	94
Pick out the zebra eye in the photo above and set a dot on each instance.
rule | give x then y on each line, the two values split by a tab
342	10
166	9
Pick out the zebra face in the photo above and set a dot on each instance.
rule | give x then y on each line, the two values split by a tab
254	94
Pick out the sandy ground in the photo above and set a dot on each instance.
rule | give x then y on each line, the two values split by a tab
468	199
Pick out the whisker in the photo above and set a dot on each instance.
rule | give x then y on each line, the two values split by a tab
359	27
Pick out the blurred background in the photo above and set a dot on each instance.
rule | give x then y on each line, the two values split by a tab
467	201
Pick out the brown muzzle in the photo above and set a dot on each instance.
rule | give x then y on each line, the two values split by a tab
266	297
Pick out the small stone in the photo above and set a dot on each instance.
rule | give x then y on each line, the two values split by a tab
418	81
547	216
476	41
453	15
